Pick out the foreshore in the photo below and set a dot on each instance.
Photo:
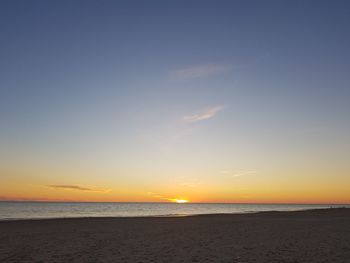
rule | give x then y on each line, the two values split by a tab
321	235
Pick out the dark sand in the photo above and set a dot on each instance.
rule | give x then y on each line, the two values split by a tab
308	236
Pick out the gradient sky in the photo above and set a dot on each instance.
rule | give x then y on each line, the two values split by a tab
208	101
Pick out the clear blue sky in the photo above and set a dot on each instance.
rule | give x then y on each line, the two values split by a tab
127	94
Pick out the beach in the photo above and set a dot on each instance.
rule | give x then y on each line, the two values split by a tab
321	235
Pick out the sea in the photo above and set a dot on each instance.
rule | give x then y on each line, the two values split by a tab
41	210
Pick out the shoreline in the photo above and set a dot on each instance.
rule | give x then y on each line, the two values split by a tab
170	215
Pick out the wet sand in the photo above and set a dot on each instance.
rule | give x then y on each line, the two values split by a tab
290	237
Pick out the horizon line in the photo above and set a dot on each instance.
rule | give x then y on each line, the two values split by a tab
136	202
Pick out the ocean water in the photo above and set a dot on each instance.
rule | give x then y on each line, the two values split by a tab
37	210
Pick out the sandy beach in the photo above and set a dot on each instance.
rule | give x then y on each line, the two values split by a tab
304	236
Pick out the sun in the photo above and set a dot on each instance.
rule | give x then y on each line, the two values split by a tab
180	201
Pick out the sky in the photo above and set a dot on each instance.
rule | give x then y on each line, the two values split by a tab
153	101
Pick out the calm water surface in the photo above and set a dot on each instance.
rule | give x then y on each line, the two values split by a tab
36	210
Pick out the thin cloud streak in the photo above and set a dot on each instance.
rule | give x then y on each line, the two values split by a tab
158	196
239	173
242	173
26	199
78	188
204	115
197	71
161	197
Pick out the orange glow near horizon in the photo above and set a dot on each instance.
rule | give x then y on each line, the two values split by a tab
260	187
264	198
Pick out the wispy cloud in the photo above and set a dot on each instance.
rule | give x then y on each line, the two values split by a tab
78	188
204	115
26	199
158	196
238	173
197	71
242	173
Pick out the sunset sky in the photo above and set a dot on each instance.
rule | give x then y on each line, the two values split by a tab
153	101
